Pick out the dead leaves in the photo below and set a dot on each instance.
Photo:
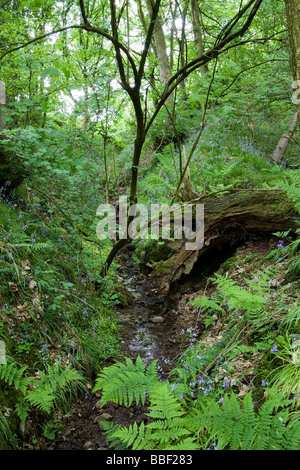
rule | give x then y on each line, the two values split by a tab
25	265
21	313
13	287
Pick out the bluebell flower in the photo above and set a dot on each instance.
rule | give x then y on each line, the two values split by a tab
226	383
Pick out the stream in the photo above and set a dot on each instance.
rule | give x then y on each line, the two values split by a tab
148	329
149	325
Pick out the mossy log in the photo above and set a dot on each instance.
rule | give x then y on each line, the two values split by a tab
228	219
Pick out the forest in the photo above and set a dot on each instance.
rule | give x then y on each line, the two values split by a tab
149	225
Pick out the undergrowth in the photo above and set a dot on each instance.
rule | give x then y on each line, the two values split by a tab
237	385
56	325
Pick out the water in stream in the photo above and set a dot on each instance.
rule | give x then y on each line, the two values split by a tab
149	326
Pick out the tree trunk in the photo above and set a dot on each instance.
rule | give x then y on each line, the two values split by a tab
293	23
284	141
229	220
197	29
161	49
2	105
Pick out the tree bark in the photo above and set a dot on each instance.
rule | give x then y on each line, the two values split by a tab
198	39
284	141
2	105
161	49
293	23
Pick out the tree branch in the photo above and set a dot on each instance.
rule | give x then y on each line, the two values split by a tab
39	38
83	13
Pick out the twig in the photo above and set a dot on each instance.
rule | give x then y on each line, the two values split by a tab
224	350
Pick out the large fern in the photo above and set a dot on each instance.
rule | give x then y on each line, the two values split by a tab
42	392
123	383
175	424
237	427
53	386
240	298
166	431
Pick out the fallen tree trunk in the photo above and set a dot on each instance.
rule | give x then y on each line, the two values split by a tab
230	218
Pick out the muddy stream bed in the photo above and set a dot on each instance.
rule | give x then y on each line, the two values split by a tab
152	328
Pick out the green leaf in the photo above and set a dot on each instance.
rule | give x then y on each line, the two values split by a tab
53	72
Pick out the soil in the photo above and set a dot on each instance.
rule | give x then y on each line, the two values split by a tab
151	328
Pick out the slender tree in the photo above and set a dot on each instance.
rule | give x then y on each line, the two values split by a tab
198	37
293	23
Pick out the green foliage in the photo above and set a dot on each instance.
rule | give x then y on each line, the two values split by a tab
237	427
12	375
53	388
165	431
6	434
175	424
285	376
124	383
56	388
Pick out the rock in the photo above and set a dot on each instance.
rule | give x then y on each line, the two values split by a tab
98	405
88	445
157	319
105	417
125	297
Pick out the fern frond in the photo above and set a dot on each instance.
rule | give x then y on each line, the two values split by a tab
12	374
42	398
234	424
123	383
249	423
185	444
137	437
163	403
292	435
238	297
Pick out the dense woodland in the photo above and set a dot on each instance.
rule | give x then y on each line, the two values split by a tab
179	102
